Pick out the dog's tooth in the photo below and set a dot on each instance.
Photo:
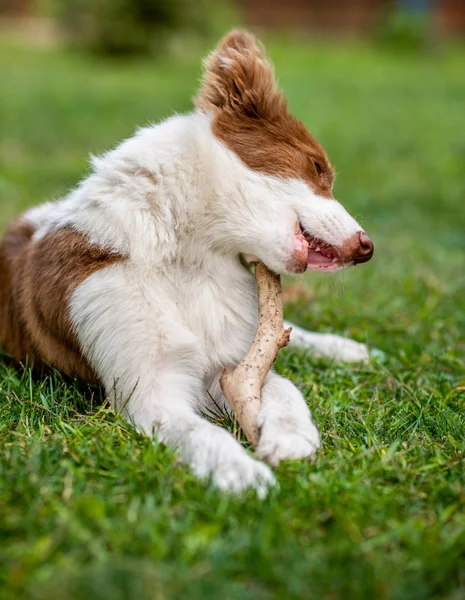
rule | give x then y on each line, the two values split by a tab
334	260
317	249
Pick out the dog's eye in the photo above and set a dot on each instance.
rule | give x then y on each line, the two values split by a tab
318	167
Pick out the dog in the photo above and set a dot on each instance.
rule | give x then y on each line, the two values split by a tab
138	279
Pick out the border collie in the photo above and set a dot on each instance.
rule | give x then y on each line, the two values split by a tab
138	278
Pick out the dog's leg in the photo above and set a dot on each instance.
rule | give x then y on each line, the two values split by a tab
328	345
153	368
209	450
287	430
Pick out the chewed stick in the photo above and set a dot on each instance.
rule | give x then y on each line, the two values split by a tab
243	386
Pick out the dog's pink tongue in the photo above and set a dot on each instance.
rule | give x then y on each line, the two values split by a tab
300	251
317	258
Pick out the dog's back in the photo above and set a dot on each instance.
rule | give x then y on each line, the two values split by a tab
37	278
13	338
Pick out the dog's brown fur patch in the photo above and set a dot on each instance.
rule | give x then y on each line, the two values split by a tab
37	280
251	118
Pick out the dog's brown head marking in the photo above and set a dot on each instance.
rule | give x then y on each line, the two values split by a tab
250	115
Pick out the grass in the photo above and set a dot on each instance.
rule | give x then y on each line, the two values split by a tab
90	509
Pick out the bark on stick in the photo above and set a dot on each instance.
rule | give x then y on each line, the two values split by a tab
242	387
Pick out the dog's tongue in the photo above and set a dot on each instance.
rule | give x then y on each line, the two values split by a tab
317	258
303	253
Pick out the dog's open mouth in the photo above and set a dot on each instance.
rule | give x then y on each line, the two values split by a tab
320	255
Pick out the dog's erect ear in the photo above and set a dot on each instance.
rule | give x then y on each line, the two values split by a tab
239	77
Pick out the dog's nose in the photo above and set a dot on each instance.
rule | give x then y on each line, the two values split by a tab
365	249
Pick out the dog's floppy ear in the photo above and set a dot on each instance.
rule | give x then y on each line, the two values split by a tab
237	76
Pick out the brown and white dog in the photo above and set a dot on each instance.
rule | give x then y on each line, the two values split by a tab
136	280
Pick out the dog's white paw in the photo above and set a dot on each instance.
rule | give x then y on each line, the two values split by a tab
328	345
345	350
285	439
214	454
244	473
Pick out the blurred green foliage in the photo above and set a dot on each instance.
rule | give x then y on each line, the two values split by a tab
135	26
405	31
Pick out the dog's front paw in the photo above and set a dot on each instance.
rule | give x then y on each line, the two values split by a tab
243	472
214	454
286	439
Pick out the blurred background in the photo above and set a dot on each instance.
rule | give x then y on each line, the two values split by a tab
381	83
141	26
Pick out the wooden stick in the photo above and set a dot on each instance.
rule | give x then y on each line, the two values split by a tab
242	387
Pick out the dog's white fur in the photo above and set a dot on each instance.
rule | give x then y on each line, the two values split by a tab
159	327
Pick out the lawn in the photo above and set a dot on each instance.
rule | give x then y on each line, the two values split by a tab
90	509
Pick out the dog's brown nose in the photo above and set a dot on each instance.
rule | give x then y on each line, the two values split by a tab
365	249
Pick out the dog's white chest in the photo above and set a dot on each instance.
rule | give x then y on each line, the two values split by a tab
222	312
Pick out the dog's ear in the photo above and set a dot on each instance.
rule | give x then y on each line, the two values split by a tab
237	76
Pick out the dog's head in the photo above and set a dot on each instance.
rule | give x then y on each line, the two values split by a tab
285	214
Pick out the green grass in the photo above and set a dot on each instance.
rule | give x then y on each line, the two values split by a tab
89	509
